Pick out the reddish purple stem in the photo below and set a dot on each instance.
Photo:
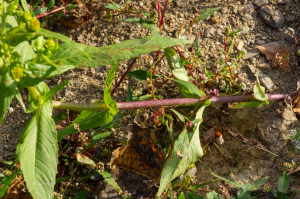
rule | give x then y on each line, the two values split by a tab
122	78
163	14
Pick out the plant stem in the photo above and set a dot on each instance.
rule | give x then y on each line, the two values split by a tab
122	78
161	103
52	11
159	85
162	16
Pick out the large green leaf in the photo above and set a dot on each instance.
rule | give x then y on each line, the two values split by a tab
69	56
245	191
37	150
175	64
26	51
94	121
147	24
189	148
110	103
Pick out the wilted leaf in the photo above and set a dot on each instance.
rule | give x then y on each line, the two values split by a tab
138	166
74	24
272	53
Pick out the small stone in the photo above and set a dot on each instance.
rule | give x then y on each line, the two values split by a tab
47	81
141	3
224	10
282	2
260	42
24	97
124	119
289	38
260	3
181	15
273	18
214	20
290	18
202	54
249	8
264	66
181	3
210	32
265	80
247	17
10	109
239	45
68	92
287	8
245	29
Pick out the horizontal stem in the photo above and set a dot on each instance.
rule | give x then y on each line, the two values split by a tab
161	103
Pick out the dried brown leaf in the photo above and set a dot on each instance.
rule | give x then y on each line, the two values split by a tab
271	54
73	23
82	6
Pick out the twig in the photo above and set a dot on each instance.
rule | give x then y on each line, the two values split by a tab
122	78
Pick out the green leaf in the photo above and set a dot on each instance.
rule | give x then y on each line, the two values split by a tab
247	104
93	121
80	195
56	89
203	184
175	64
181	196
283	185
63	38
190	148
213	195
259	93
129	94
110	103
59	180
68	56
8	89
147	24
38	145
113	6
39	11
230	181
198	51
85	160
115	119
50	4
25	6
180	117
188	89
59	117
245	191
26	51
72	6
16	35
98	138
206	13
141	75
109	179
5	183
